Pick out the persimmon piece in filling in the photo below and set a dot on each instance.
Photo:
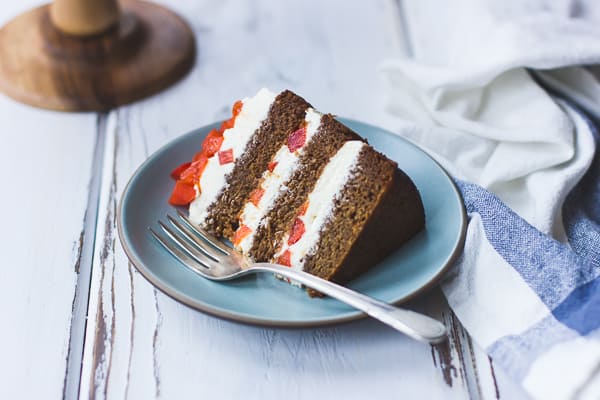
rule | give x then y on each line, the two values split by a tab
285	259
256	195
296	139
298	230
240	234
225	156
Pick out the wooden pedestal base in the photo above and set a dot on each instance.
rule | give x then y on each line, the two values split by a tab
148	50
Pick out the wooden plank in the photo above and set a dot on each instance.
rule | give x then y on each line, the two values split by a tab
142	344
46	192
462	362
46	165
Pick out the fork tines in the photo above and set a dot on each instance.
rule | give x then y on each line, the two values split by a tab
190	244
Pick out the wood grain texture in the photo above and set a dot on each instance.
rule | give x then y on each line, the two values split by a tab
142	344
148	50
45	167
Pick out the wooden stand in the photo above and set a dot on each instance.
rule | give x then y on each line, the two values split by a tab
92	55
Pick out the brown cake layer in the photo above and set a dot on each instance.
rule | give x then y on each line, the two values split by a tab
285	115
378	210
329	138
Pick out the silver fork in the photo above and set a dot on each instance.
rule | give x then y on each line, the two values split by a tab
212	259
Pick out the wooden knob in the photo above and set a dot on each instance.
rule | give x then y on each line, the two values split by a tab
84	17
93	55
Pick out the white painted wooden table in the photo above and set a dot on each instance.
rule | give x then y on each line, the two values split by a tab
78	320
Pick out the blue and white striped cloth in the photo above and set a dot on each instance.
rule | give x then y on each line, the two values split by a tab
535	301
480	92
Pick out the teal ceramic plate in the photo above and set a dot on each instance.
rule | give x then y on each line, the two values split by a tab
263	299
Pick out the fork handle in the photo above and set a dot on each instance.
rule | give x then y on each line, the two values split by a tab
417	326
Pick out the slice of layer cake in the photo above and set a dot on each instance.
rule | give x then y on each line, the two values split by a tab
287	184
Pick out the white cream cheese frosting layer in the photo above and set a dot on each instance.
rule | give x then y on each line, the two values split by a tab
321	201
273	181
213	180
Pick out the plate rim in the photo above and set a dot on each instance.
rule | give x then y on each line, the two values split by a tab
265	322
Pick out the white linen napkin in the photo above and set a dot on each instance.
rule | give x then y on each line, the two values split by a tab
472	88
467	73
